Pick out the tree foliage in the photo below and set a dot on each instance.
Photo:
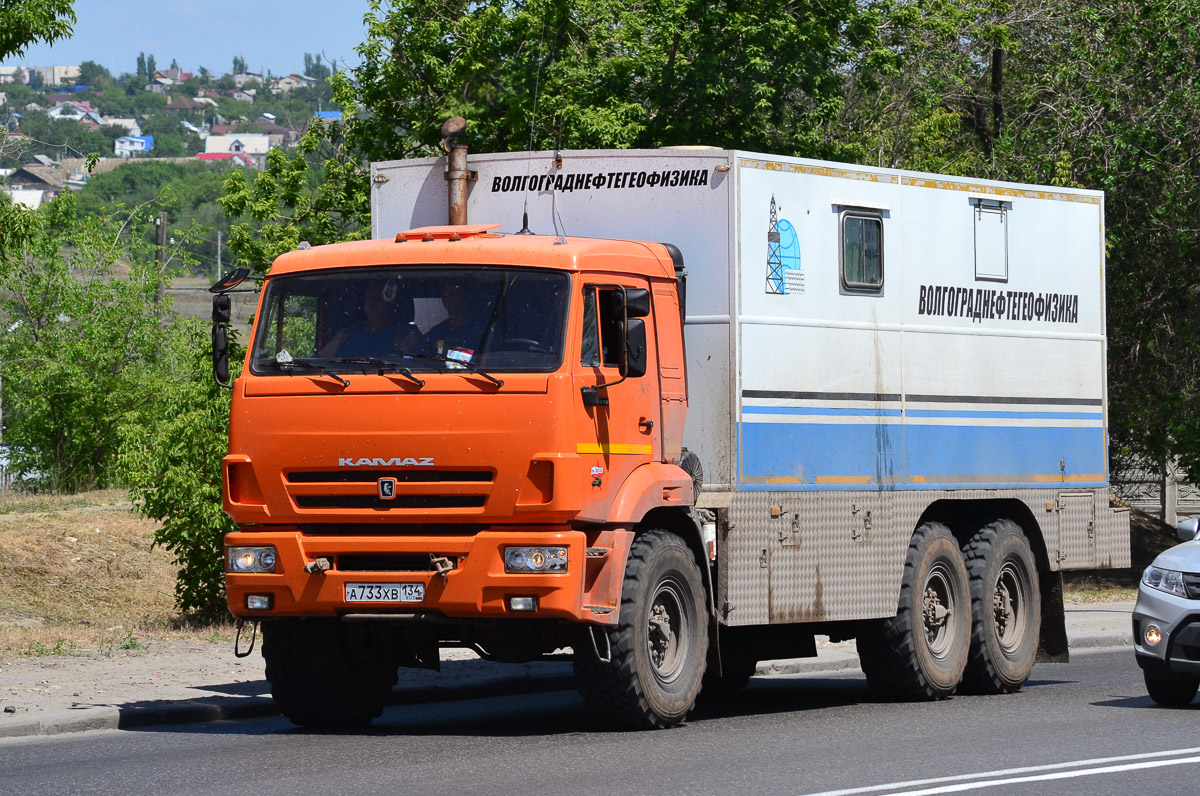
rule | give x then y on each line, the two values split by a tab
83	334
24	22
171	459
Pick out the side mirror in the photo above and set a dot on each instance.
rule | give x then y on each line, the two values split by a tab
220	354
637	302
221	308
633	364
1188	529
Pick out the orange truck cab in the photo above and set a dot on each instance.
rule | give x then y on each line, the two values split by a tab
448	438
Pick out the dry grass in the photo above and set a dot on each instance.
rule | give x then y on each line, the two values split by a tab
78	574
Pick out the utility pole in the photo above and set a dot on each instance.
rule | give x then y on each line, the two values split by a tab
217	274
161	223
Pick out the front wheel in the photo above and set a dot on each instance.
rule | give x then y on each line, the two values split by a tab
658	649
921	652
317	680
1170	690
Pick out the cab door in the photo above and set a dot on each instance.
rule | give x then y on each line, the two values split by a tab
617	418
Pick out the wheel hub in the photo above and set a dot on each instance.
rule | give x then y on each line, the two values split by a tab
937	610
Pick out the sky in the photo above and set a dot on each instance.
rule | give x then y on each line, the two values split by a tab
269	34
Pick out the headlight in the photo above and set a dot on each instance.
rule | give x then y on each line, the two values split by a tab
1167	580
535	559
250	559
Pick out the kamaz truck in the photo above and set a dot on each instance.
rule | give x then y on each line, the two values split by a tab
720	404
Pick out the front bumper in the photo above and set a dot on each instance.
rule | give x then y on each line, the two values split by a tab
1178	619
476	587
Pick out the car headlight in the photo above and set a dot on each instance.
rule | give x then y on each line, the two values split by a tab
535	559
250	559
1167	580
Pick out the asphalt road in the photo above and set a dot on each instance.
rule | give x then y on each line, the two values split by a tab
1084	727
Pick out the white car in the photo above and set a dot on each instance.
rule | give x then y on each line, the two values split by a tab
1166	621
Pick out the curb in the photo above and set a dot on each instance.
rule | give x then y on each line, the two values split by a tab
151	714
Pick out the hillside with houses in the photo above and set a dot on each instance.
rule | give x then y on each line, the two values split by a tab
52	118
80	129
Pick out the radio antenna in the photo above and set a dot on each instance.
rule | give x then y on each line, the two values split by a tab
537	80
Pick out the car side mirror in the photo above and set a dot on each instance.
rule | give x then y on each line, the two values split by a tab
1188	529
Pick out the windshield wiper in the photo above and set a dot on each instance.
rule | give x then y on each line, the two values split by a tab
459	364
299	364
386	366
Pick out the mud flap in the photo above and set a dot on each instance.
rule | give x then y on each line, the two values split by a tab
1053	646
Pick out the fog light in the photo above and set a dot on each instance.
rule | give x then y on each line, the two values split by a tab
251	559
535	559
1153	635
522	603
258	602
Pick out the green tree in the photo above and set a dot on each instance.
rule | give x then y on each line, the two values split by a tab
82	337
239	65
170	456
314	68
151	67
1068	92
94	75
25	22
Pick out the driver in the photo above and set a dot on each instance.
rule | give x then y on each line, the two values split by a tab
382	324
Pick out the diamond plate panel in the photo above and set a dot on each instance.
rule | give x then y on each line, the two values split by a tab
1077	529
796	557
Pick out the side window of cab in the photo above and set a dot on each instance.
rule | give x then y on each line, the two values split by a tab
601	326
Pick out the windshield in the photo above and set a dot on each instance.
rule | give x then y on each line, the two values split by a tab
414	319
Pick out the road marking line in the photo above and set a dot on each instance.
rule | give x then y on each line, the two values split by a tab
1084	772
1007	772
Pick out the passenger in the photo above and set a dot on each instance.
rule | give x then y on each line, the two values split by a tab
459	336
387	321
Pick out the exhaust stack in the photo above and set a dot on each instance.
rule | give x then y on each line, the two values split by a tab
457	173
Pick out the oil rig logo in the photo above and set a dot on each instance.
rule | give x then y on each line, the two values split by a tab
783	256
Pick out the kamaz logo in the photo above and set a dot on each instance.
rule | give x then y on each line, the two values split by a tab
395	461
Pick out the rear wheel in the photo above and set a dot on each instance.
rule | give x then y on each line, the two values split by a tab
1005	609
1170	690
658	648
921	652
317	681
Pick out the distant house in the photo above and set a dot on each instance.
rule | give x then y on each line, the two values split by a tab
281	85
242	78
206	100
245	95
180	103
92	121
129	145
221	129
159	85
56	75
244	143
236	158
131	125
175	75
14	74
70	110
29	197
40	174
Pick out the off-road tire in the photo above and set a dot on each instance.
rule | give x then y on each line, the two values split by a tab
653	676
315	682
1006	606
1171	691
921	652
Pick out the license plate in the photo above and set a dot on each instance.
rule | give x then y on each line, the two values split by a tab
385	592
